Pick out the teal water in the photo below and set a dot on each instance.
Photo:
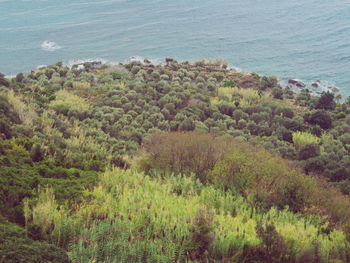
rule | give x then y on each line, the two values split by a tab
308	40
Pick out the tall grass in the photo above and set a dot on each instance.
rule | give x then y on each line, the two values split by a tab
25	113
130	217
300	139
65	98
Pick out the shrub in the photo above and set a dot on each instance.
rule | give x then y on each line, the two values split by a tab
184	152
273	248
326	101
241	124
320	118
16	247
226	108
268	82
277	92
36	153
301	139
3	81
316	165
201	234
309	151
187	125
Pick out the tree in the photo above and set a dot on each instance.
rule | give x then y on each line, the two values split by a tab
326	101
320	118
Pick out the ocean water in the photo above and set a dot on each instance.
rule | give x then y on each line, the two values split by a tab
307	40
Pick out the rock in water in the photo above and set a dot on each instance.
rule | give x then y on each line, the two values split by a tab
296	83
169	60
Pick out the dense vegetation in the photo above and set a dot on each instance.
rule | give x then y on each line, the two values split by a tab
214	165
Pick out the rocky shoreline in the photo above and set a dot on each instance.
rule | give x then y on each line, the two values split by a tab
315	87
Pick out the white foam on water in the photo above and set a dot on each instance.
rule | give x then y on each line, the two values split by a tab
322	86
237	69
80	62
154	61
41	66
50	45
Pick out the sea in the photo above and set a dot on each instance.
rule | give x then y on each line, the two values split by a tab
307	40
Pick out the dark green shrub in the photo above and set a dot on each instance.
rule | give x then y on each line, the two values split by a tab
312	254
3	81
226	108
309	151
321	118
277	92
201	234
19	77
229	83
16	247
326	101
36	153
272	249
315	164
268	82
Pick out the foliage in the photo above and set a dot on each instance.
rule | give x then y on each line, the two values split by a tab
60	127
309	151
201	234
160	223
301	139
326	101
3	81
15	246
272	248
184	153
277	92
320	118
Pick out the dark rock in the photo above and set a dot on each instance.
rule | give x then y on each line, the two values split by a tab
146	61
315	85
335	90
169	60
296	83
96	63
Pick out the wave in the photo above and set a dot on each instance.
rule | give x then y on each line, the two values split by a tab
80	62
315	87
50	45
140	59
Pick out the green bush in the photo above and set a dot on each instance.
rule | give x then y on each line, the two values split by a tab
272	249
277	92
201	234
326	101
16	247
309	151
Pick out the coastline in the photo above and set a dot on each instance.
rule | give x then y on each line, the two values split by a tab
316	87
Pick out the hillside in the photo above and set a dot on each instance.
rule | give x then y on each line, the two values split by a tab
179	162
